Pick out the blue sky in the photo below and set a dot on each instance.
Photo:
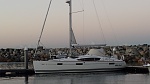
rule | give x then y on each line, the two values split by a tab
122	21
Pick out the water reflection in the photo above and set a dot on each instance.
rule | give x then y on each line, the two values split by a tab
26	79
86	78
94	78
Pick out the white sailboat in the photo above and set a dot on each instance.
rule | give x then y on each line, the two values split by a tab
94	60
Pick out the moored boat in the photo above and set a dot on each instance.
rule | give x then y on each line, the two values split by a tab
93	61
84	63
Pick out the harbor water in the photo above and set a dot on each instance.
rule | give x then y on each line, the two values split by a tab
79	78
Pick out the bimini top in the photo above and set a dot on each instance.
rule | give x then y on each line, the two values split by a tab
98	52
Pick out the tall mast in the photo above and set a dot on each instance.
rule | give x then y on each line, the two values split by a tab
70	26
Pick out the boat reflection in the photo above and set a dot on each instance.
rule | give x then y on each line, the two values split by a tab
93	78
26	79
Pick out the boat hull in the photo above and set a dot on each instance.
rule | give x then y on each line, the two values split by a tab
76	67
148	66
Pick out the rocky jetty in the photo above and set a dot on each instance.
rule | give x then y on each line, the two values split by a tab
133	54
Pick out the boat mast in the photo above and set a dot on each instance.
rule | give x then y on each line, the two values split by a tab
70	26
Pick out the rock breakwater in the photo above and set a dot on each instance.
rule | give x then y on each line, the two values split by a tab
133	54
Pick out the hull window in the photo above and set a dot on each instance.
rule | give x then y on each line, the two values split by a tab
111	63
59	63
79	63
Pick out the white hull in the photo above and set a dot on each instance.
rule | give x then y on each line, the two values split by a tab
52	66
148	69
148	66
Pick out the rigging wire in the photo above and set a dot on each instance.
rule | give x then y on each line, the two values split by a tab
83	25
110	22
99	21
42	44
42	29
82	10
83	21
44	23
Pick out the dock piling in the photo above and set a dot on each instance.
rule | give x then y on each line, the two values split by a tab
26	58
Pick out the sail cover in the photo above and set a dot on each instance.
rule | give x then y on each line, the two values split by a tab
73	39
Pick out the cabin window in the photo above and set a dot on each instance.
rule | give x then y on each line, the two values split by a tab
111	63
89	59
79	63
96	59
59	63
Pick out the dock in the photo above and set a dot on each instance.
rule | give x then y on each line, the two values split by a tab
15	72
136	69
17	68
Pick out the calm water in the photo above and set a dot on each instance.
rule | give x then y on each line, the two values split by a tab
87	78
